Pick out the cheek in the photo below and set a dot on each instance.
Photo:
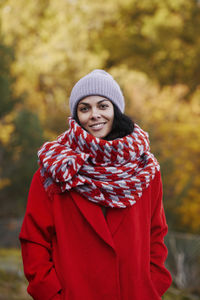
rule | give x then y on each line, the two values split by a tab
82	118
111	115
111	123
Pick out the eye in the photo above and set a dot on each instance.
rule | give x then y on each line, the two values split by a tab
103	106
84	109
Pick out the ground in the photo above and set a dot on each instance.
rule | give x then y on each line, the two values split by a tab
13	283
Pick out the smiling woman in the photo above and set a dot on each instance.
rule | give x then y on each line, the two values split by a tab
94	226
96	115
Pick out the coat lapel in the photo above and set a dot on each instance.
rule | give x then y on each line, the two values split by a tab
115	216
93	214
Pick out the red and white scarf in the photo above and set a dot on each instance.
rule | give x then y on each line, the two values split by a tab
110	173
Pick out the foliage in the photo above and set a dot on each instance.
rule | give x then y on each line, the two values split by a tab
173	125
152	48
7	100
49	64
21	152
160	38
20	136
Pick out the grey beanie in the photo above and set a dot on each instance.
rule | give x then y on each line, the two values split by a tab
100	83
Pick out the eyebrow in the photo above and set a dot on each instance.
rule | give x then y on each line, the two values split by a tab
85	103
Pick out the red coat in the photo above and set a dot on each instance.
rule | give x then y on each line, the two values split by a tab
69	246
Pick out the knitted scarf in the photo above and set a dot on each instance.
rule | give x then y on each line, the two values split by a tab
110	173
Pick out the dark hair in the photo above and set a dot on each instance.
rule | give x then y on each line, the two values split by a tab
122	125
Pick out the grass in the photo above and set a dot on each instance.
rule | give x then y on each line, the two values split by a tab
175	294
13	283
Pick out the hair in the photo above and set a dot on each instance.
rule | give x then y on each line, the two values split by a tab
122	125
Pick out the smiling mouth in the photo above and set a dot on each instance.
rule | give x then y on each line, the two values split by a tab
97	125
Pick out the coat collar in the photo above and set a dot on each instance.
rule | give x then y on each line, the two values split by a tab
104	227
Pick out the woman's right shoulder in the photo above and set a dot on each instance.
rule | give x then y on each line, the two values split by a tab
43	185
36	182
37	176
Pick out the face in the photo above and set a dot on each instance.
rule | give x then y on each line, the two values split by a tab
96	115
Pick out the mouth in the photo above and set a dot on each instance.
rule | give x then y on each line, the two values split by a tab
97	126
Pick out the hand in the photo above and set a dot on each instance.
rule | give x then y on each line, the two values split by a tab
57	296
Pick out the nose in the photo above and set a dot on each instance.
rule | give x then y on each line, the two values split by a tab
95	114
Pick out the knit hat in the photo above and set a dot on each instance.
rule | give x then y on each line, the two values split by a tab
100	83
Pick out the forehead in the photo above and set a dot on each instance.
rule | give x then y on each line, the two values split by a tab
92	100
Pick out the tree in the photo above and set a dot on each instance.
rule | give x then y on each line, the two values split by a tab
7	103
173	124
24	142
159	38
52	52
20	136
152	49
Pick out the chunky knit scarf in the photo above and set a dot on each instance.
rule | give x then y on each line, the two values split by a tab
111	173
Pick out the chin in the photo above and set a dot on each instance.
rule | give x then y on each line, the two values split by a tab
100	135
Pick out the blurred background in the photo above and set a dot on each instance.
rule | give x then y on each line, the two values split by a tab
152	48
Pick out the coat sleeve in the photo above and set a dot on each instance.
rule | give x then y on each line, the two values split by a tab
36	239
160	276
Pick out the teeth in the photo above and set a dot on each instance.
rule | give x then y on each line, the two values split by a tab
97	125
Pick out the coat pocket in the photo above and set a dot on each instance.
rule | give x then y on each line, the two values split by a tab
149	291
157	296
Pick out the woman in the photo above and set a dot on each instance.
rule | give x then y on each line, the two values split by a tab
94	226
